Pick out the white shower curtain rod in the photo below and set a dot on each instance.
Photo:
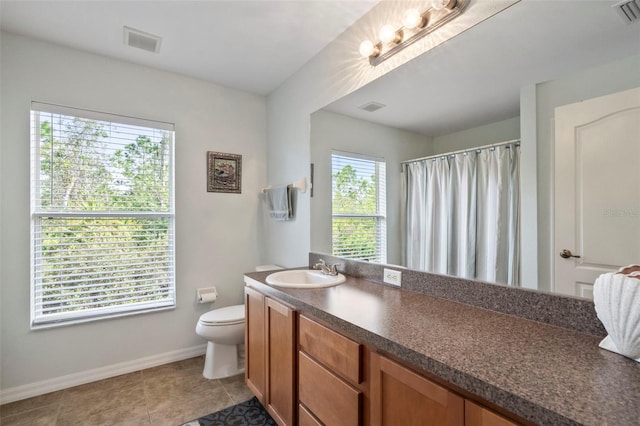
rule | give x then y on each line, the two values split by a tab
478	148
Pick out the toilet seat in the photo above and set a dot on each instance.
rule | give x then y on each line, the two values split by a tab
229	315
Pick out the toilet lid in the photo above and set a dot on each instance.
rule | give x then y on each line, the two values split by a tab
228	315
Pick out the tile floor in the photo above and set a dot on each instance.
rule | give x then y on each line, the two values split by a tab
170	394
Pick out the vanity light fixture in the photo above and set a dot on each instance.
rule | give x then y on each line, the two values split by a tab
440	4
415	25
368	49
388	34
413	19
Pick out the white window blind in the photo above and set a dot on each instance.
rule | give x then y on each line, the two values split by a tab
102	215
358	207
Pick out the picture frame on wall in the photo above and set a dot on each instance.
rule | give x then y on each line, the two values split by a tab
224	172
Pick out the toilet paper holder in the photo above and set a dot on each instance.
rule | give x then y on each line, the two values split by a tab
206	294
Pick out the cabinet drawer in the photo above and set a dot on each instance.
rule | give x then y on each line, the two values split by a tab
340	354
331	400
305	418
475	415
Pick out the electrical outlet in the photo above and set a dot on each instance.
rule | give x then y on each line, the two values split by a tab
392	277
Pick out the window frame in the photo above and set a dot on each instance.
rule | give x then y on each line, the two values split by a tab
381	212
38	320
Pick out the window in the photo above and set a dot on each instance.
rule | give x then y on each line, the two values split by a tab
102	215
358	207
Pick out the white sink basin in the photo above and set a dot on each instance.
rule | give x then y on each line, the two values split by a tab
304	278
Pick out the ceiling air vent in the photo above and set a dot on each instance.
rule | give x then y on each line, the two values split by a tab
141	40
372	106
629	10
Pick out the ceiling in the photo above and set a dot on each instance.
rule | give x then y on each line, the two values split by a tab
475	77
472	79
248	45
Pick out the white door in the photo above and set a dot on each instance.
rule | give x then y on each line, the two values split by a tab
597	189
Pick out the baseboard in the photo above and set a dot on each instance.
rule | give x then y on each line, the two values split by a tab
50	385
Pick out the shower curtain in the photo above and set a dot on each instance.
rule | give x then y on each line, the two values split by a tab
462	214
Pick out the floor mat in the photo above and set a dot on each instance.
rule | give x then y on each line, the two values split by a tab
248	413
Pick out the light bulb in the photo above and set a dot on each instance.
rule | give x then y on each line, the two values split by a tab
439	4
413	19
367	49
389	34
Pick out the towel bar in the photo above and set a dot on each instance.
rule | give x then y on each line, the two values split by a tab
301	185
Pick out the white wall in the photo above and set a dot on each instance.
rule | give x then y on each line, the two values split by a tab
331	131
500	131
528	189
216	234
336	71
598	81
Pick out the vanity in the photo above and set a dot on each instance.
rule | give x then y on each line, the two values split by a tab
364	353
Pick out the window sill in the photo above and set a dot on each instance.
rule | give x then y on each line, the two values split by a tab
62	323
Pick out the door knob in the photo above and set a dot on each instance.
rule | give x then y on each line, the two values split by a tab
566	254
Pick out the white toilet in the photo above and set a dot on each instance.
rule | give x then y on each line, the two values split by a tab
224	330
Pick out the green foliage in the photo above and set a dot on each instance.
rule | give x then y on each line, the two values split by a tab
94	261
353	194
355	237
144	167
73	172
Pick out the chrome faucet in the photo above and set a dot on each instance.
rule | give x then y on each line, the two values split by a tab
327	269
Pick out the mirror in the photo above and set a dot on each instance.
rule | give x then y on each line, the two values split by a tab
498	81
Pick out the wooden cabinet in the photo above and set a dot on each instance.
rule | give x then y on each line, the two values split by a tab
305	418
309	375
338	353
476	415
401	397
328	398
255	343
329	374
270	341
281	362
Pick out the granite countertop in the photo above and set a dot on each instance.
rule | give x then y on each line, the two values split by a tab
542	373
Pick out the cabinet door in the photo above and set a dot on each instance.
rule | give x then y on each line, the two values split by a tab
402	397
476	415
281	362
255	343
